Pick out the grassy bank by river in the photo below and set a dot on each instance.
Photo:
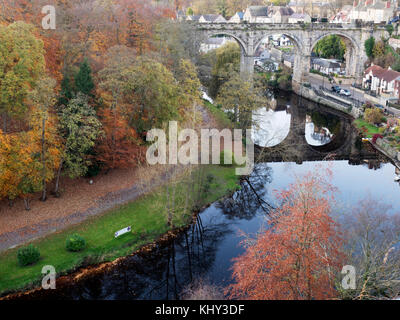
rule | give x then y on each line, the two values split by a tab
148	219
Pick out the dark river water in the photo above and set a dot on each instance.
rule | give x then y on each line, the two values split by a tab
205	251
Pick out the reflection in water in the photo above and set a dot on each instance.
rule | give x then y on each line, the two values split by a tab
271	127
316	136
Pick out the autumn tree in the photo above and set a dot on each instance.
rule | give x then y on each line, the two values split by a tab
227	62
189	85
120	146
373	115
241	97
21	65
44	129
155	94
299	255
79	129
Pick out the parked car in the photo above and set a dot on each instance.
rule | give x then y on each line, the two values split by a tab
336	89
345	92
394	20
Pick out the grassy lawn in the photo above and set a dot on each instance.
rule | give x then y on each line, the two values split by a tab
148	219
371	128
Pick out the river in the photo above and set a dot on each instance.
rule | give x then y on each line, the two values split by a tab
205	251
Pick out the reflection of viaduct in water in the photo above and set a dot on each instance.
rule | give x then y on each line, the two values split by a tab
295	148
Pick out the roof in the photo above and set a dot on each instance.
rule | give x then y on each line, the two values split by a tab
210	17
258	11
286	11
377	71
326	63
194	18
390	75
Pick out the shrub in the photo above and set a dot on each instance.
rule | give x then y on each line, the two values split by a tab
376	137
75	243
222	158
28	255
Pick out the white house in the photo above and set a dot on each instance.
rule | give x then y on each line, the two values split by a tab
257	14
382	81
212	18
213	43
237	18
299	17
325	66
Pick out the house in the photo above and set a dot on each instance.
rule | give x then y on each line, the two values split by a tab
325	66
343	16
212	18
193	18
288	60
257	14
279	40
376	11
237	18
213	43
299	17
382	81
314	8
280	14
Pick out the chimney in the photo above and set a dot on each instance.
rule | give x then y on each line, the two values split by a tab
388	4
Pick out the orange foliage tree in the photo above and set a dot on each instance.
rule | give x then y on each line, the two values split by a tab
299	255
119	147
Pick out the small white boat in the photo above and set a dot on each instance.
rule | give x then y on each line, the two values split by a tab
397	178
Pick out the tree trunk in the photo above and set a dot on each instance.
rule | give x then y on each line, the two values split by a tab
27	204
56	189
44	193
4	122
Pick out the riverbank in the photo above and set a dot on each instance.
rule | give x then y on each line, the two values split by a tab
168	207
148	219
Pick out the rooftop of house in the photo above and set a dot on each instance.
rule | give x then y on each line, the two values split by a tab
210	17
326	63
387	75
284	11
258	11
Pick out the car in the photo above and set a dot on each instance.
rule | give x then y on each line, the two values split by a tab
345	92
336	89
394	20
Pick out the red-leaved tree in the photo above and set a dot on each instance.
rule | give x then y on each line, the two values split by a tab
299	255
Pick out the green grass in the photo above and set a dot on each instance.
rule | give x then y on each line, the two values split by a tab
219	115
360	123
148	219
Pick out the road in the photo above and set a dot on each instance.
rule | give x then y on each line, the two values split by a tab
355	94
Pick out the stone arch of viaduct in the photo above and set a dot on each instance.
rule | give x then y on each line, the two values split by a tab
305	37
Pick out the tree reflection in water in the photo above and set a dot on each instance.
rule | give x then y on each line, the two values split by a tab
249	200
